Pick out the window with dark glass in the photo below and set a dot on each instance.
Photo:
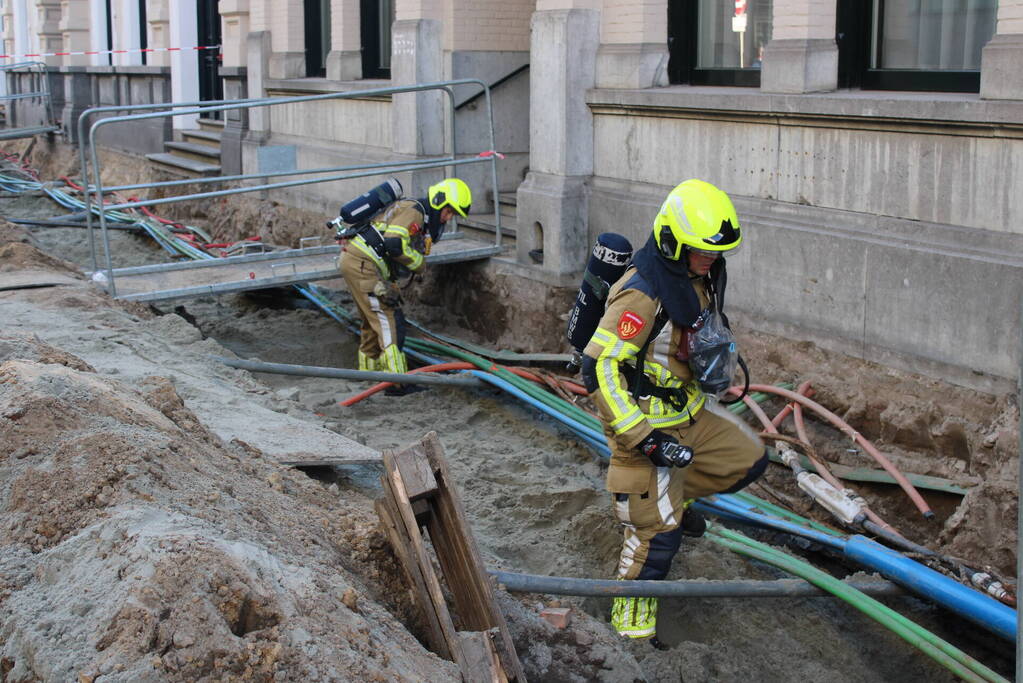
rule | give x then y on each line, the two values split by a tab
718	42
376	19
317	37
913	44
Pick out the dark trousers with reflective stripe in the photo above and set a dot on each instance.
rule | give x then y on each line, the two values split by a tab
726	460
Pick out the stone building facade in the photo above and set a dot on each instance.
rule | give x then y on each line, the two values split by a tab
874	152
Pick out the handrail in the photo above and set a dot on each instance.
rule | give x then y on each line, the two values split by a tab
43	92
447	161
499	81
82	161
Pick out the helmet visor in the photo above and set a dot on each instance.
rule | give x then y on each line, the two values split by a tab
715	254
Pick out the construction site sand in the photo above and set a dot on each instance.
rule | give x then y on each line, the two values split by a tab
137	544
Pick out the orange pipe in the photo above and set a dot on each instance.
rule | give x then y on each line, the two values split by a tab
459	365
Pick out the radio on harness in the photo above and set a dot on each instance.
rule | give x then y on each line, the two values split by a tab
610	258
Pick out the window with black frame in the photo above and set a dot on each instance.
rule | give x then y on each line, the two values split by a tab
718	42
317	37
376	19
913	44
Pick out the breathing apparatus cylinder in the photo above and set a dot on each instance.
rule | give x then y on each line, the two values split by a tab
366	205
610	258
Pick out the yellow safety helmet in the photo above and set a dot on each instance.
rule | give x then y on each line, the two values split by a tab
451	192
698	216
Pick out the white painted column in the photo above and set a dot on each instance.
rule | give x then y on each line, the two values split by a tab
98	32
802	55
1001	62
127	32
185	63
633	44
21	34
287	32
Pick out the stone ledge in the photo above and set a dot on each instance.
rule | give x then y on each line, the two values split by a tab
926	109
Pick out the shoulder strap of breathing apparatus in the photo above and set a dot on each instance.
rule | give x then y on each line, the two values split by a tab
706	360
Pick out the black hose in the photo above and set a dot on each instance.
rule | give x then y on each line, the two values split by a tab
345	373
781	588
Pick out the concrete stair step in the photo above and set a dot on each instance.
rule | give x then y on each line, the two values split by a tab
203	137
196	152
183	166
211	125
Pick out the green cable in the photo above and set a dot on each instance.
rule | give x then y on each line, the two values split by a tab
779	511
941	651
555	402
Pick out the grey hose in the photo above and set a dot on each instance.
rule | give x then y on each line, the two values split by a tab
781	588
345	373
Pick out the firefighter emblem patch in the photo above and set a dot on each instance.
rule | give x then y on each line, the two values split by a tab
629	325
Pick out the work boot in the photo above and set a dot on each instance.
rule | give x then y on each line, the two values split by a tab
403	389
634	617
693	522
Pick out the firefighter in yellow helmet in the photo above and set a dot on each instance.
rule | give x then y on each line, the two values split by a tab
393	244
670	442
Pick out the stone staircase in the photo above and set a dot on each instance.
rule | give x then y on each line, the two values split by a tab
196	155
483	226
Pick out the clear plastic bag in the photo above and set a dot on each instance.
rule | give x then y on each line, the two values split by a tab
713	355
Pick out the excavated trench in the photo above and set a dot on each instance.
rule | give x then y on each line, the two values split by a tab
535	497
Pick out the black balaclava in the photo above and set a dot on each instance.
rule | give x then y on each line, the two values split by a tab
433	224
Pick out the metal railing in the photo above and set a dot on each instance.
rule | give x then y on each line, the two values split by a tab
96	191
39	89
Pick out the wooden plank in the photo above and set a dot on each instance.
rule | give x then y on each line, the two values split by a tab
483	665
415	474
433	595
458	547
401	543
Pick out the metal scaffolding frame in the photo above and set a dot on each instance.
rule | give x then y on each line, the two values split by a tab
40	91
94	191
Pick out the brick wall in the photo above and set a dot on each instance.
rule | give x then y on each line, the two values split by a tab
634	21
490	25
803	19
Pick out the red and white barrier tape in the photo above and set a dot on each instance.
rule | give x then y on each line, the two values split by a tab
111	52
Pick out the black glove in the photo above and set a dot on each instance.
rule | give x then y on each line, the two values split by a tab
664	451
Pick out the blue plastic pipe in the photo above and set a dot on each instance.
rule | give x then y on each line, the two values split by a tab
915	577
977	607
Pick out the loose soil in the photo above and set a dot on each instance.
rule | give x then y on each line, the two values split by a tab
139	543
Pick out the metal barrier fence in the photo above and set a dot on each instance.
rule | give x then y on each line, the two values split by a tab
95	191
39	112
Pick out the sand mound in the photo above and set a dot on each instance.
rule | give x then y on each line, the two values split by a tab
135	544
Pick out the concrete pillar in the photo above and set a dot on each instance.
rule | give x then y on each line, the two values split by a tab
74	31
552	202
633	45
258	64
802	55
235	17
184	30
158	18
1001	75
344	61
127	32
417	119
285	21
48	34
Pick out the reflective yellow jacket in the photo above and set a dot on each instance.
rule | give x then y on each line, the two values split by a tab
628	320
403	221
